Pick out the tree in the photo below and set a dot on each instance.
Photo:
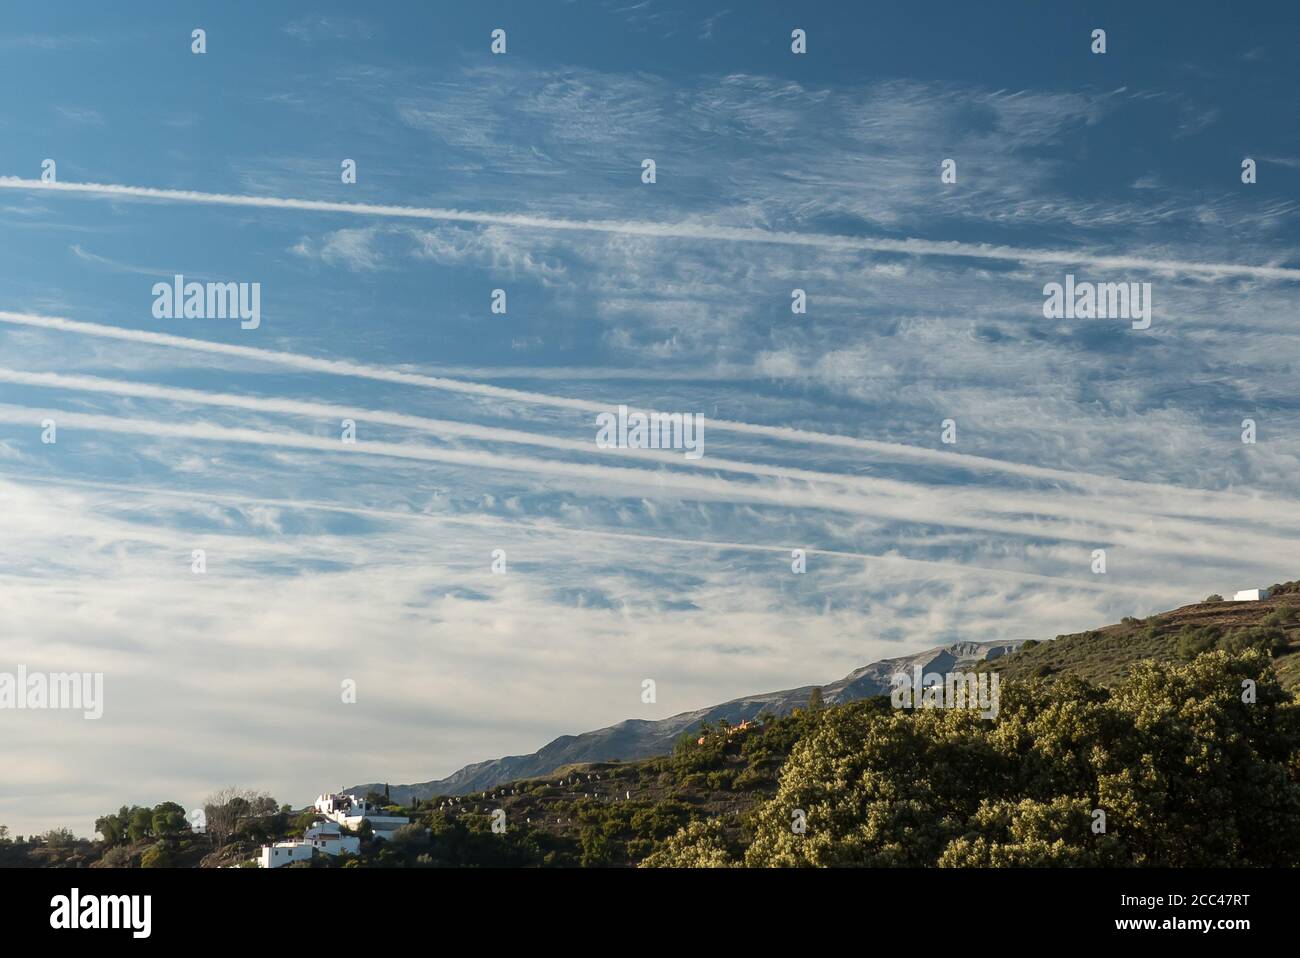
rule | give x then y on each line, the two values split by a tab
4	835
110	826
141	823
59	838
815	699
1187	770
225	810
261	803
701	844
168	819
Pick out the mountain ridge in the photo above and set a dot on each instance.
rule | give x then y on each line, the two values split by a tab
634	739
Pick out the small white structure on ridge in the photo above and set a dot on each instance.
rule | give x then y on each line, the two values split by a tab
1250	595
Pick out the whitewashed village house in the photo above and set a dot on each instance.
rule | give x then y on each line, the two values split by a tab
326	838
351	811
1250	595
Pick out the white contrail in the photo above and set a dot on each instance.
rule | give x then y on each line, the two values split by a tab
1101	510
438	427
612	480
923	507
552	529
1199	501
680	230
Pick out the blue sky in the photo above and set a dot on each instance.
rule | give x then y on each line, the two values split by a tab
775	171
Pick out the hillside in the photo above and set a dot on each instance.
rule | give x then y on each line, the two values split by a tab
1104	656
638	738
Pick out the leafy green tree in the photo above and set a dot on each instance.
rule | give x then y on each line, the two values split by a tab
141	823
1029	834
110	826
701	844
1193	765
168	819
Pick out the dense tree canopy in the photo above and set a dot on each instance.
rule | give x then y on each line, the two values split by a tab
1190	765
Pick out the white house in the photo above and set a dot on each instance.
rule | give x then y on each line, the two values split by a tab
324	839
1250	595
282	853
351	811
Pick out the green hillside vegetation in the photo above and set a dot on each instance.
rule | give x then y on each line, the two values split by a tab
1185	772
1169	741
1105	656
616	814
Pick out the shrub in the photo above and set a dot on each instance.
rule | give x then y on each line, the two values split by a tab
597	849
155	856
1270	640
116	857
410	835
720	780
1192	642
1280	616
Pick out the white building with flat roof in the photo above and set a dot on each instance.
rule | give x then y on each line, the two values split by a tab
323	839
1250	595
351	811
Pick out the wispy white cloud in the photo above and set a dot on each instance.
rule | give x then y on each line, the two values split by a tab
319	27
81	115
353	249
909	247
